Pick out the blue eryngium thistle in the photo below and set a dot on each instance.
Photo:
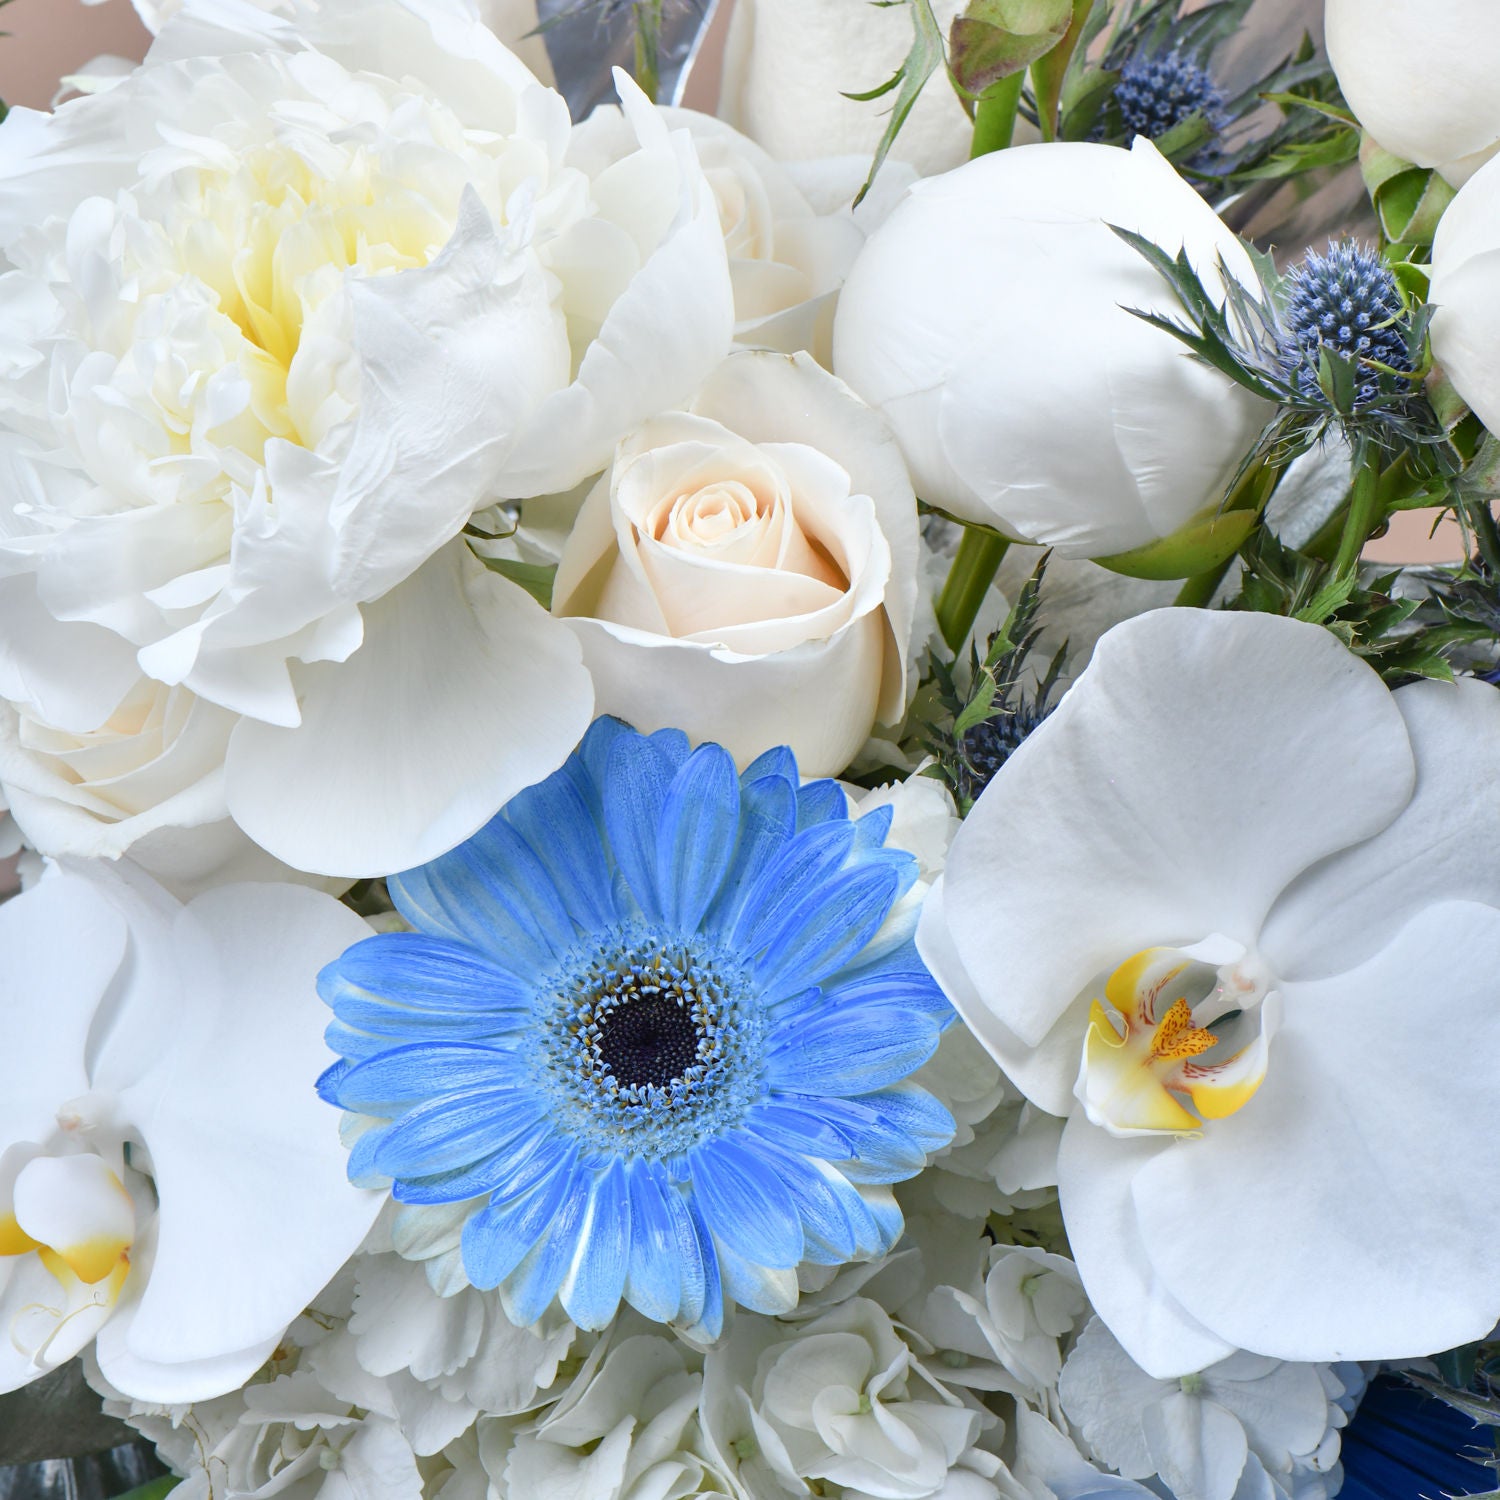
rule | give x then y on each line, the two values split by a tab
1345	301
1157	92
653	1033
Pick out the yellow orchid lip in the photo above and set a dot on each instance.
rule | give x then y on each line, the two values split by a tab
1140	1074
74	1212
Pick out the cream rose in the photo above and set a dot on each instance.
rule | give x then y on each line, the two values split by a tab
746	569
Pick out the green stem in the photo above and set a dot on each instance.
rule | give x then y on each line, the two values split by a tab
1365	514
995	116
1254	488
969	579
1198	592
648	47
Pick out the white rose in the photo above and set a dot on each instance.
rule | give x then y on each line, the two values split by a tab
987	319
287	305
788	65
1420	77
786	260
148	780
746	571
1466	323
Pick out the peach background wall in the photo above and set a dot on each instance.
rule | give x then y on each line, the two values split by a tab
52	37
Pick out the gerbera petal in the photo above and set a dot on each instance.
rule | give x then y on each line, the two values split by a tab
499	1237
407	1075
412	971
763	1289
561	826
768	818
699	830
780	892
530	1289
533	1152
454	1131
816	941
635	792
854	1051
799	1127
702	1316
591	1290
745	1205
663	1245
821	802
468	895
778	764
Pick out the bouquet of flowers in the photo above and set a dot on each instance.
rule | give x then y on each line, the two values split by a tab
723	806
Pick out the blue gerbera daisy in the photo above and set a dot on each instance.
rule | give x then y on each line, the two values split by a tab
652	1034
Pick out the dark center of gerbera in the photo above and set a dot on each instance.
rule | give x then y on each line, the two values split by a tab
648	1037
648	1040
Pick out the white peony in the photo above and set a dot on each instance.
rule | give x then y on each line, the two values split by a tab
1420	77
287	305
1230	823
988	319
788	65
1197	1434
746	571
513	21
1465	323
159	1129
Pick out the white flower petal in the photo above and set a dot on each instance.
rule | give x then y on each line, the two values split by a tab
1176	790
818	698
1198	1448
1095	1174
256	1210
463	693
1350	1209
1441	848
63	943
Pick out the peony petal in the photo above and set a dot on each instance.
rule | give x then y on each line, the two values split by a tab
463	693
1177	789
1370	1122
242	1149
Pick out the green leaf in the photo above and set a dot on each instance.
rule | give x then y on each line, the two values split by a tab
1050	71
153	1489
1410	203
1195	548
924	59
995	39
536	578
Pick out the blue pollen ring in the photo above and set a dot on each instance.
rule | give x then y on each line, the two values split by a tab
652	1035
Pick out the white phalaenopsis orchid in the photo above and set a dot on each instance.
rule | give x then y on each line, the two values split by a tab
282	309
1232	911
171	1187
